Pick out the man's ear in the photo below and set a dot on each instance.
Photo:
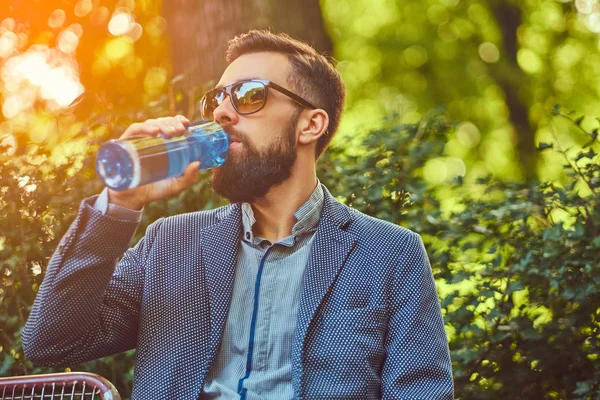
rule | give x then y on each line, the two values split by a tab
314	124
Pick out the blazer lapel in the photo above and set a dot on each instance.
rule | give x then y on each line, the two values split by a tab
220	244
330	251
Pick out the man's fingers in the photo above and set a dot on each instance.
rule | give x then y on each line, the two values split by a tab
183	120
189	177
140	129
168	126
192	170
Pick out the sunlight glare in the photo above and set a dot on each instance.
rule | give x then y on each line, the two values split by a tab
60	88
39	74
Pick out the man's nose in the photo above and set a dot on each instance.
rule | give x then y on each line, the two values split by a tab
225	114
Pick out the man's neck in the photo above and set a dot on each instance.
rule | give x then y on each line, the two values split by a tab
274	213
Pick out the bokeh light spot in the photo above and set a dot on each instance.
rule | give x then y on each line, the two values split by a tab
57	19
455	167
127	4
478	13
468	135
83	8
447	33
156	27
118	48
415	56
155	80
12	106
435	171
585	6
77	29
9	24
99	15
135	33
68	41
529	61
8	44
437	14
22	41
568	55
489	52
593	22
120	24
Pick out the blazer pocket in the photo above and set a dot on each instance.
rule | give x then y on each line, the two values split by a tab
355	317
347	347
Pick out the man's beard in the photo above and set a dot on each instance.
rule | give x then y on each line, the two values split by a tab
249	174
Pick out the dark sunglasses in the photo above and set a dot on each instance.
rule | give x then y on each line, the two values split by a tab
247	97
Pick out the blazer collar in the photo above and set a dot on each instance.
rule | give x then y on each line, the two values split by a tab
334	211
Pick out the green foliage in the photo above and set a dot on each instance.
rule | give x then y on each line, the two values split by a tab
517	265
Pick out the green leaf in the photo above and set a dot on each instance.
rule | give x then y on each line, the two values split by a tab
543	146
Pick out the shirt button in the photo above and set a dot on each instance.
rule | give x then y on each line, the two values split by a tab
248	235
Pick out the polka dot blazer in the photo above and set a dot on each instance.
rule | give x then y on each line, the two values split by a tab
369	322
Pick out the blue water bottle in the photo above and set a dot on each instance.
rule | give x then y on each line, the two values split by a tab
129	163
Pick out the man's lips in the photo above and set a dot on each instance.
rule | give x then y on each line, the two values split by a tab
234	139
233	136
235	142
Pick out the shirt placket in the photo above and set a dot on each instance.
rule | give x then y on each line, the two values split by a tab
257	356
265	307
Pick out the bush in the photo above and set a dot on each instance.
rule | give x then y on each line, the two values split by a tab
517	265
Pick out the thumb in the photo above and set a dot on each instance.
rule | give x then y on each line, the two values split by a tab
190	176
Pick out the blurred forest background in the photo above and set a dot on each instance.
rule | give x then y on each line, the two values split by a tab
471	122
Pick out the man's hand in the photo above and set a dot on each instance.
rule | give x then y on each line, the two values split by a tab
136	198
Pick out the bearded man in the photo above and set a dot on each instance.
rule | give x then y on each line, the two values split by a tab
284	293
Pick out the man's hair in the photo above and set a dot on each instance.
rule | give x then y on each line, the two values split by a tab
312	75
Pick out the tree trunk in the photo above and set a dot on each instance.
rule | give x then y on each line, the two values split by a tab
200	29
510	78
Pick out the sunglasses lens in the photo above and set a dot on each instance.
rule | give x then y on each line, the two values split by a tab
249	97
210	101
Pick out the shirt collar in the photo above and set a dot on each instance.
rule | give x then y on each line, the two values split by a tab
307	216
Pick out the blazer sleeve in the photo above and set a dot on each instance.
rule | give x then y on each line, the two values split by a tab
417	364
88	304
